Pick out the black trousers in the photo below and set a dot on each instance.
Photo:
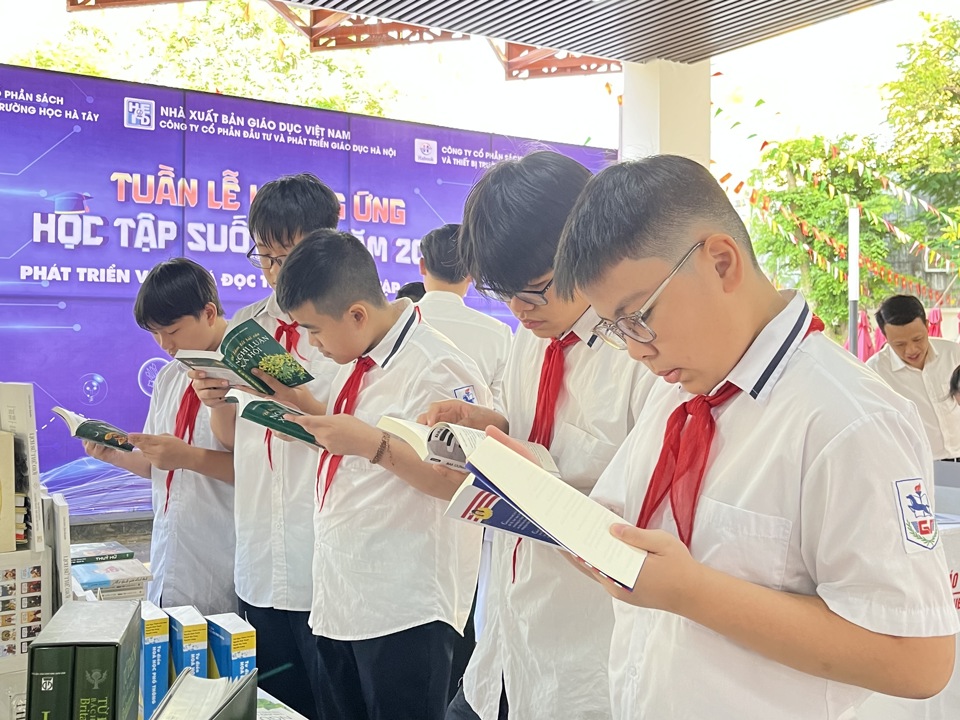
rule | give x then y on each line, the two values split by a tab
287	665
463	648
402	676
460	709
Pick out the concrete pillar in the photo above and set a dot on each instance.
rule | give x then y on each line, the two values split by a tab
666	110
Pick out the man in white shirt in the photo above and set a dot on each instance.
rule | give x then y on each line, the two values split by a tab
480	336
533	659
274	479
393	579
794	562
192	544
919	367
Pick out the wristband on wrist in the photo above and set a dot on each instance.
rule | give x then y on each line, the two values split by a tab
382	449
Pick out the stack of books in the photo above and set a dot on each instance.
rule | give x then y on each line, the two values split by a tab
109	570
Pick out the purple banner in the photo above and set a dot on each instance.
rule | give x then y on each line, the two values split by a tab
100	180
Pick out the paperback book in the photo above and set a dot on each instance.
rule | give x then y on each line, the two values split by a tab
269	414
96	431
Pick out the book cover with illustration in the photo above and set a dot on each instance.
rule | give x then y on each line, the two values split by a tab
269	414
96	552
96	431
245	347
233	646
111	574
188	641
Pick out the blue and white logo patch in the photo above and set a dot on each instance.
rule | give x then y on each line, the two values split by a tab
466	393
920	529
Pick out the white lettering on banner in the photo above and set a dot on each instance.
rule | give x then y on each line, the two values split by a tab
69	230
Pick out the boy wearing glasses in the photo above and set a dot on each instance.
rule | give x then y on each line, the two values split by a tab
274	479
779	486
534	655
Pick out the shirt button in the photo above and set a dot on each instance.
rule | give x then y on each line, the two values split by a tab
633	672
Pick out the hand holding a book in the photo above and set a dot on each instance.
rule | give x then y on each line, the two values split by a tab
299	397
211	391
101	452
458	412
165	452
670	580
340	434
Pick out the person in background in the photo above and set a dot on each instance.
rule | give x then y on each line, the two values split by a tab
919	367
778	486
192	543
413	291
274	478
484	339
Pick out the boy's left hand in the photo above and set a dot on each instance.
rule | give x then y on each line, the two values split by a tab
299	397
670	576
165	452
341	434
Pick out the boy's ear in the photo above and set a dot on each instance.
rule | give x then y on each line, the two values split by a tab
210	313
358	313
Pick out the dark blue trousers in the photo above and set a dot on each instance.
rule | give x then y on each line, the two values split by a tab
287	663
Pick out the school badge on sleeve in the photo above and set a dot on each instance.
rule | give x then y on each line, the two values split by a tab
916	515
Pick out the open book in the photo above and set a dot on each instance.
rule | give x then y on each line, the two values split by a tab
245	347
269	414
508	492
193	698
450	445
94	430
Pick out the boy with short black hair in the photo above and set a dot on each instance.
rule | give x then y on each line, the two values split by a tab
393	579
533	655
192	546
274	519
793	561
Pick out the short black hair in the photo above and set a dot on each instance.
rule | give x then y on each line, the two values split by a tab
639	209
900	310
513	218
286	209
172	290
332	270
955	382
412	290
441	254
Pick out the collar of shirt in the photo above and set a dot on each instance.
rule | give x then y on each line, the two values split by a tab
270	308
583	329
396	336
897	364
764	361
440	296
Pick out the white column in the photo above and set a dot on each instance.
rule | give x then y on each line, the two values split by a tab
666	110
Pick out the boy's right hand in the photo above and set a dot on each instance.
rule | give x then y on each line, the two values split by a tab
211	391
463	413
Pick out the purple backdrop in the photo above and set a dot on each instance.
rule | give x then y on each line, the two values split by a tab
100	180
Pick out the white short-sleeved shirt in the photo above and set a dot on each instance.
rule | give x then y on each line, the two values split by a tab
930	390
274	506
807	490
385	558
480	336
547	634
192	545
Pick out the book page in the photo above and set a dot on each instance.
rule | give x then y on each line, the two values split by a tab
573	519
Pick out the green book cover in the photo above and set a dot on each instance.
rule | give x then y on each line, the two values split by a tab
97	431
95	683
113	629
269	414
245	347
81	553
50	686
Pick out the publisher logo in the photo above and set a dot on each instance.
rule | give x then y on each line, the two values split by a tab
46	683
425	151
96	677
138	114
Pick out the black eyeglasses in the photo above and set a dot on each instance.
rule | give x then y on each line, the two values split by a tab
264	262
531	297
634	325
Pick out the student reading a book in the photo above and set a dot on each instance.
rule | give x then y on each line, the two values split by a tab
192	546
533	654
783	490
274	517
482	337
393	580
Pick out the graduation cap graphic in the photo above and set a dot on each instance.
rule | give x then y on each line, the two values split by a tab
70	203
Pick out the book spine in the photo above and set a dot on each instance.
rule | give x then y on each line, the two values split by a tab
107	557
155	659
61	514
50	688
189	648
95	683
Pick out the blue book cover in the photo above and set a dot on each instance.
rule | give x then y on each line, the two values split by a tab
188	640
154	656
482	503
233	646
111	574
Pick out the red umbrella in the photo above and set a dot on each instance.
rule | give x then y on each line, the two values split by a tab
865	345
933	323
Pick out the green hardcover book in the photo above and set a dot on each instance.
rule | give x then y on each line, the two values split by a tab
245	347
96	431
106	672
50	686
269	414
